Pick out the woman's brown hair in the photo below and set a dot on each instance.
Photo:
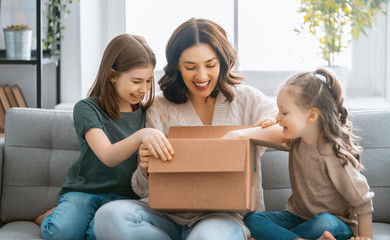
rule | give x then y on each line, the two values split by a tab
122	54
191	32
322	90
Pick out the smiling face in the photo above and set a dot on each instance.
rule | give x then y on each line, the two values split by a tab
292	117
199	66
131	86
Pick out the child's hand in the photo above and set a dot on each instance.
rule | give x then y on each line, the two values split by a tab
264	123
157	144
360	238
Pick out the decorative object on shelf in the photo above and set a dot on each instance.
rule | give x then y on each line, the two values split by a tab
335	22
18	96
9	97
18	40
54	10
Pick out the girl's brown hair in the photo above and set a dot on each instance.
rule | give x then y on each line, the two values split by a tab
191	32
122	54
322	90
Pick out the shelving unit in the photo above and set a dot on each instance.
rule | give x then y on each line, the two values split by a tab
38	58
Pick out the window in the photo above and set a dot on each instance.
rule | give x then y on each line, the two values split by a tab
265	38
156	20
269	49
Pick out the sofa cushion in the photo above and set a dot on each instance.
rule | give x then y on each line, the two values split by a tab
20	230
37	155
374	129
381	231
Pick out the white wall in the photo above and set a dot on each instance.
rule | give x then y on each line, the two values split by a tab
89	28
387	81
70	56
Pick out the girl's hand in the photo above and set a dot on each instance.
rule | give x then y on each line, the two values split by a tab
360	238
157	144
145	156
265	123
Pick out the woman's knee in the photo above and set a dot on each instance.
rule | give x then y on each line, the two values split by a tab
217	227
116	211
123	218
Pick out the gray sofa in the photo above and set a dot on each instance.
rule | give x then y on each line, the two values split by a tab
41	144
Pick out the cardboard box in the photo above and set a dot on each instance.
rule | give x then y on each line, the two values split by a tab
206	173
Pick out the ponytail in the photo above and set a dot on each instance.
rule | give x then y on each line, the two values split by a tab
347	140
332	84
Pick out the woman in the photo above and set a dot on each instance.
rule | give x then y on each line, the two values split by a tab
198	88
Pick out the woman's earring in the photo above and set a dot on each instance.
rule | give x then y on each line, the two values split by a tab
112	82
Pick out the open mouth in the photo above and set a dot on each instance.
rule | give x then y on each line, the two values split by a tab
284	129
137	97
202	85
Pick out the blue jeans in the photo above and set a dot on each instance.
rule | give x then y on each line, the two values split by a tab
287	226
73	217
131	219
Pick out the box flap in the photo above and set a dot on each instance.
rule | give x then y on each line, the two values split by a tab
203	155
281	147
202	131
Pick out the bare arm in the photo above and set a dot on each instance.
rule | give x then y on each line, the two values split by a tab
113	154
271	136
365	227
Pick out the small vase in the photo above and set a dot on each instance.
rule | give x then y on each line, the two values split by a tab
18	44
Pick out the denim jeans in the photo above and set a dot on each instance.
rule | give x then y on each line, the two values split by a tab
287	226
74	216
131	219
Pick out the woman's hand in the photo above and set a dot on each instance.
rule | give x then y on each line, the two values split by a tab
264	123
360	238
156	143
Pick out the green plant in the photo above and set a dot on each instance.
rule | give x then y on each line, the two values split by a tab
17	27
54	10
330	20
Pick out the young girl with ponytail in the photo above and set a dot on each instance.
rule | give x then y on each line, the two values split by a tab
330	198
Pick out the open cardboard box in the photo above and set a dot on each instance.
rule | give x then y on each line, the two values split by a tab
206	173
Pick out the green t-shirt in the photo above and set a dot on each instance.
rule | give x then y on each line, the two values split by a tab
88	173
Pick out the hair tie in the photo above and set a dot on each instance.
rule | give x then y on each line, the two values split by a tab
322	77
114	66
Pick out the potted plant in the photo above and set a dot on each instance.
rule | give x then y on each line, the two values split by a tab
54	10
335	23
17	40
